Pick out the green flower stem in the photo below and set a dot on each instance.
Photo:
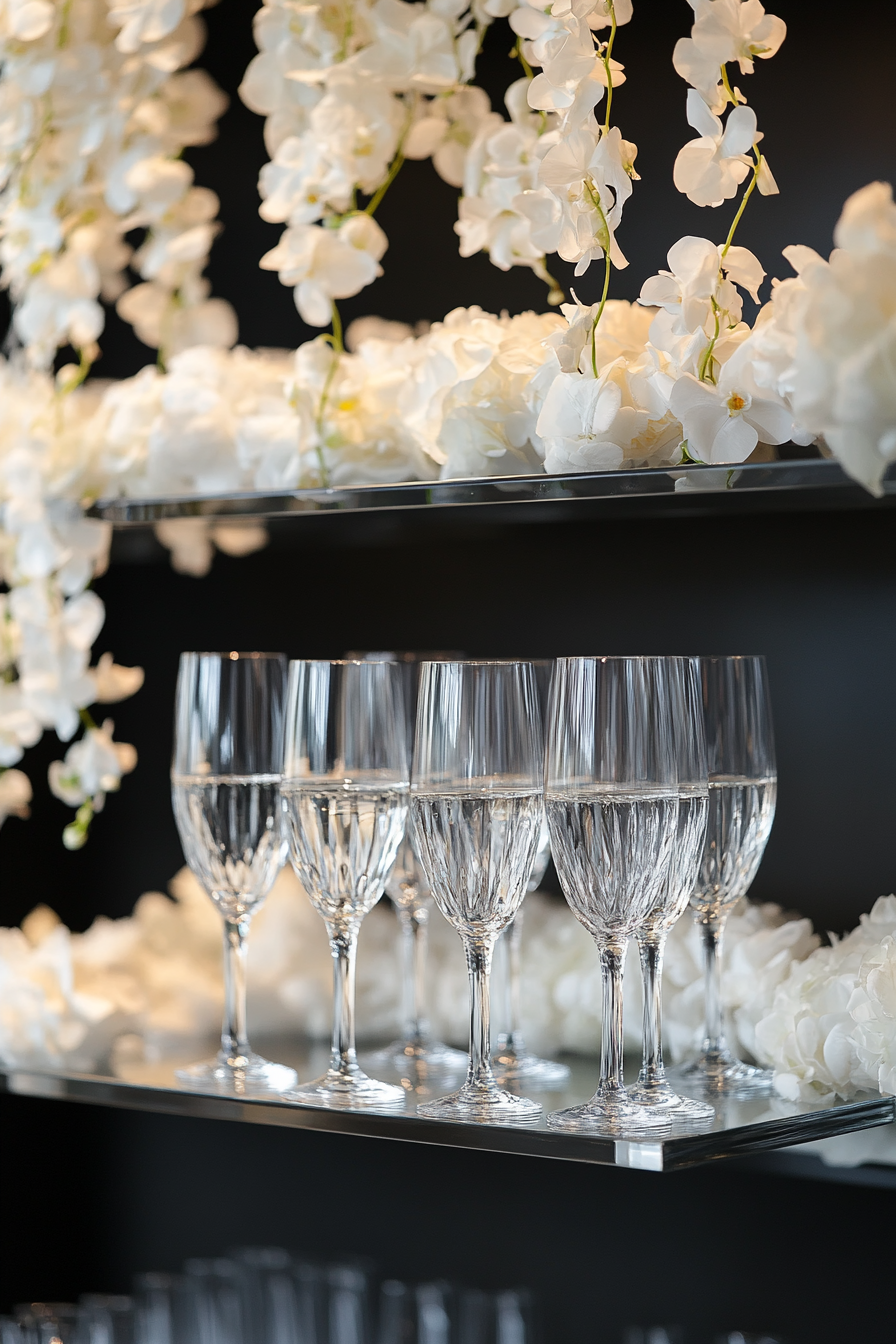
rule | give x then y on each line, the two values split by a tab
394	169
338	343
726	85
595	201
517	54
746	196
705	369
606	60
75	834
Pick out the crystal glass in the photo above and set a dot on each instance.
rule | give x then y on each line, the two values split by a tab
416	1055
345	802
689	745
476	803
512	1062
611	793
225	784
743	785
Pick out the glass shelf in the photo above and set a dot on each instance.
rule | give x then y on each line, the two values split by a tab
741	1127
809	482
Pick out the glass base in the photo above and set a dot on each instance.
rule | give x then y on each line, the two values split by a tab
718	1073
348	1091
613	1114
245	1075
519	1066
423	1054
485	1103
660	1097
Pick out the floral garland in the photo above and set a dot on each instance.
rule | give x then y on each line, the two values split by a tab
97	107
148	987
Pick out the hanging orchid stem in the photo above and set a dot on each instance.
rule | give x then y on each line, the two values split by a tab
518	54
336	320
77	378
608	52
595	201
394	169
705	369
726	84
87	719
746	196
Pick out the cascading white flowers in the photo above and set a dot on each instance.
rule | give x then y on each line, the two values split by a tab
349	90
96	107
95	111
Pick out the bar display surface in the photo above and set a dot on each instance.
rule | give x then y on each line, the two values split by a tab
746	1126
686	483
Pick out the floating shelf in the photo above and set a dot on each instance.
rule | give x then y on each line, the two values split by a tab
741	1127
803	483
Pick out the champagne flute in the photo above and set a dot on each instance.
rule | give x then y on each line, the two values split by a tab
611	793
416	1055
225	784
345	800
743	786
476	803
513	1063
689	745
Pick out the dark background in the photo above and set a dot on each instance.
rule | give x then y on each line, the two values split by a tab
90	1196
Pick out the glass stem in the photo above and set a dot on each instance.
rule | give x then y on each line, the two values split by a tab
479	965
343	944
711	931
612	959
414	935
514	938
651	946
234	1041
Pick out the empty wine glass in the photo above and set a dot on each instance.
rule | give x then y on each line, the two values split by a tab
476	803
225	784
611	793
511	1060
345	800
689	746
416	1055
743	785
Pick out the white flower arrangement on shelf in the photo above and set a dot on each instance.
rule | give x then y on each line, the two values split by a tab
96	107
147	988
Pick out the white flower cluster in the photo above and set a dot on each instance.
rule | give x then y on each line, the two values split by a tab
349	89
830	1029
48	554
158	975
93	124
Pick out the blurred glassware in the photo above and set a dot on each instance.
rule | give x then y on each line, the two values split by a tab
689	747
511	1061
416	1055
345	800
476	800
743	787
611	793
225	784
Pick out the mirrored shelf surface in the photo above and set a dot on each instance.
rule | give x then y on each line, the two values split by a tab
821	483
740	1128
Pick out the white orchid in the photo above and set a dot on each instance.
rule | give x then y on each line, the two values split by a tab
723	422
93	767
709	170
326	264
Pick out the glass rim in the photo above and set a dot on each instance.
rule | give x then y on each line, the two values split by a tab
344	662
483	662
232	655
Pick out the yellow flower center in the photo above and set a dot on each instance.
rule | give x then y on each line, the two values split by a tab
735	403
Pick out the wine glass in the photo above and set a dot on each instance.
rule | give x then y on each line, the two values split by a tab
689	745
225	784
476	804
611	794
512	1062
743	786
345	802
416	1055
